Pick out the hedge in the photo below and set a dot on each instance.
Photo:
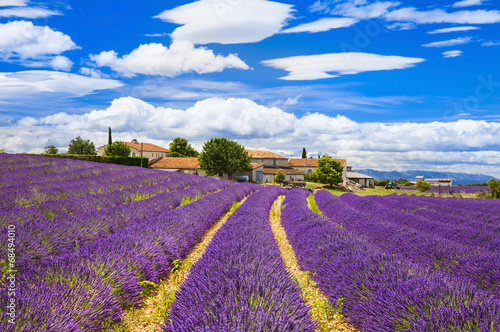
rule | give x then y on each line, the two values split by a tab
128	161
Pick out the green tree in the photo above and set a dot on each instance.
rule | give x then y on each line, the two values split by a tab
50	149
110	141
304	153
311	177
329	171
81	146
423	186
221	155
119	149
402	181
181	148
494	186
279	177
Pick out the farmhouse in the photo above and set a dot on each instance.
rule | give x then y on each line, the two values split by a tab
441	183
364	180
171	164
190	165
147	150
291	174
309	165
272	163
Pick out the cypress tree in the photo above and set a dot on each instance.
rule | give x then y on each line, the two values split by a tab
304	154
110	141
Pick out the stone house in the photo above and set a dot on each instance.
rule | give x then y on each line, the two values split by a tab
148	150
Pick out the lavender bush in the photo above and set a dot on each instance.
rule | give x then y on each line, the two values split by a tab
379	291
241	283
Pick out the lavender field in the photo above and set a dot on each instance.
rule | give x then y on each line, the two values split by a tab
82	242
453	190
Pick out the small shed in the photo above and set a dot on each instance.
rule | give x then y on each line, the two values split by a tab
364	180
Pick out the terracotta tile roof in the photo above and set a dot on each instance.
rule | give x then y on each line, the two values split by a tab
175	163
146	147
286	170
255	165
311	162
262	154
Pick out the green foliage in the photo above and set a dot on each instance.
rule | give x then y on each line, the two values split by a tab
304	153
329	170
181	148
381	183
423	186
110	141
81	146
494	186
401	181
313	206
118	149
127	161
279	177
50	149
223	156
311	177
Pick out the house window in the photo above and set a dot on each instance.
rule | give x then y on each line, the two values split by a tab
133	154
274	162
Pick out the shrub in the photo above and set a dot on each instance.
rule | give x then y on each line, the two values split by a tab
423	186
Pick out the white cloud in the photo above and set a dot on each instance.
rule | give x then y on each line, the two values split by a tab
468	3
25	84
453	29
13	3
25	43
323	24
227	22
164	34
312	67
157	59
473	145
491	43
411	14
401	26
450	42
28	12
452	54
358	8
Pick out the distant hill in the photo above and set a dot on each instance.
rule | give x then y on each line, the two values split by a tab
459	178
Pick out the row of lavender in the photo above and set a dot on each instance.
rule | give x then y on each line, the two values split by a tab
453	189
241	283
414	270
78	271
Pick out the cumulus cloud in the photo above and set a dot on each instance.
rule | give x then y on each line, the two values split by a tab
450	42
312	67
453	29
20	85
157	59
369	144
24	43
227	22
411	14
323	24
452	54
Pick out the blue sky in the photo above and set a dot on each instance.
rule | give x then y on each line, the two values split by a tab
386	84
